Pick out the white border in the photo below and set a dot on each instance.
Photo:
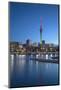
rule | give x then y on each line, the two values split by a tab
4	43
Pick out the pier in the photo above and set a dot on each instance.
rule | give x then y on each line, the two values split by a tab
47	57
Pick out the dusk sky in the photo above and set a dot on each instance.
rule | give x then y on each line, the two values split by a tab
24	22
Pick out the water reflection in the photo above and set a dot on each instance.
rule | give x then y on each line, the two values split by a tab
27	72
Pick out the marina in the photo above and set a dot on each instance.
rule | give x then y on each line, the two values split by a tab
28	72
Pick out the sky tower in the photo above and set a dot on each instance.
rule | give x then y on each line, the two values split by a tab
41	31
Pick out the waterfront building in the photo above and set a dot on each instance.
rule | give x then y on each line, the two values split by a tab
13	46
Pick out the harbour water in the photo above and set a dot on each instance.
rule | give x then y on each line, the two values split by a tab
27	72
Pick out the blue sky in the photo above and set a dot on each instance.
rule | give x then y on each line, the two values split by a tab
24	22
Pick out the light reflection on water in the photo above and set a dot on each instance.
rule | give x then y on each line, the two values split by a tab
26	72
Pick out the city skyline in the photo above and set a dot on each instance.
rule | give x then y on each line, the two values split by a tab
25	22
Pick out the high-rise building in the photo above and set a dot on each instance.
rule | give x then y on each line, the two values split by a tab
28	42
43	42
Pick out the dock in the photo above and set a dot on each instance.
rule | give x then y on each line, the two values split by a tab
46	60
